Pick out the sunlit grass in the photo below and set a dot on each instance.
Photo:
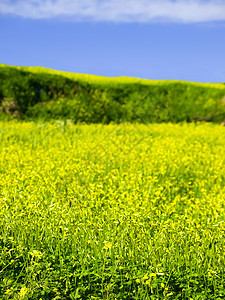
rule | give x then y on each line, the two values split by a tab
112	212
102	80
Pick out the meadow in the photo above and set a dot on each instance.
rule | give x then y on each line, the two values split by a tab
127	211
34	93
102	80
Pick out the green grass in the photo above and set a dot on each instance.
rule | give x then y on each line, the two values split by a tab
102	80
112	211
43	94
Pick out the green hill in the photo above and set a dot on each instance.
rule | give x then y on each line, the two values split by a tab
40	93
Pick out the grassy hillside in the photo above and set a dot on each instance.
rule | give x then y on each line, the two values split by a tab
35	92
94	79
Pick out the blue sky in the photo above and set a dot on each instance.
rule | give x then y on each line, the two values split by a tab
154	39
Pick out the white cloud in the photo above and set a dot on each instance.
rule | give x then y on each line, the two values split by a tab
185	11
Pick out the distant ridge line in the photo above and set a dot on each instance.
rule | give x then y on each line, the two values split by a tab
110	80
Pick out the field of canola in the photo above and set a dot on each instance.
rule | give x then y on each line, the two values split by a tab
112	211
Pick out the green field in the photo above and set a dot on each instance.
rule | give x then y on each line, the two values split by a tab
102	80
35	93
127	211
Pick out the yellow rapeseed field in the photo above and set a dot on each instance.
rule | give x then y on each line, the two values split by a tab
112	211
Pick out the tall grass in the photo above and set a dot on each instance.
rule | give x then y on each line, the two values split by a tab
112	212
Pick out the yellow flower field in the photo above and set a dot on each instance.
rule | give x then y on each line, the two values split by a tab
112	211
